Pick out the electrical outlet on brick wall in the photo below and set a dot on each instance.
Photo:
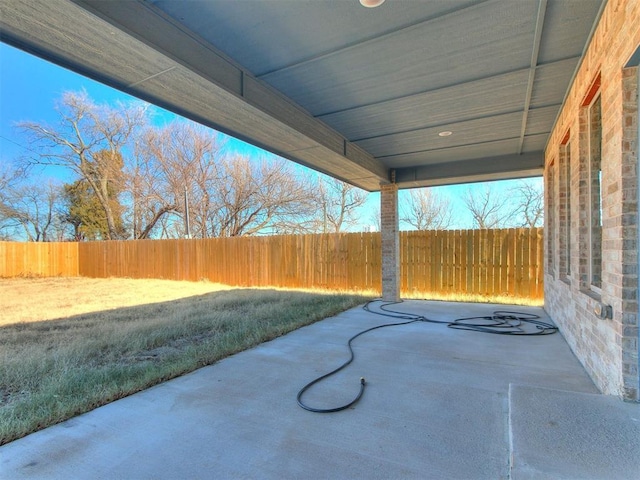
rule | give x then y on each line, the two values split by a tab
603	311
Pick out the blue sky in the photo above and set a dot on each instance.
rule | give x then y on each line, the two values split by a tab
30	87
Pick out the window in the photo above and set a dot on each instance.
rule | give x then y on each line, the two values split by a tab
565	208
589	267
550	217
595	193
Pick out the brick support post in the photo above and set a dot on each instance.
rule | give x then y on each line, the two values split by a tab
390	242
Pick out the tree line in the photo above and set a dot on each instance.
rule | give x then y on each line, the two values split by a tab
131	179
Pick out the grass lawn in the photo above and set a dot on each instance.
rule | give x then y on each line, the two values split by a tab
68	345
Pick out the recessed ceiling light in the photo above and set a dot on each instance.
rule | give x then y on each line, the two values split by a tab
445	133
371	3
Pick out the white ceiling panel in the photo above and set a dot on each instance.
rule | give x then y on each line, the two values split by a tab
479	99
550	82
452	154
454	49
567	23
471	132
264	35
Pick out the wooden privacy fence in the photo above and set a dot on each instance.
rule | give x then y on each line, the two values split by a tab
486	262
31	259
343	261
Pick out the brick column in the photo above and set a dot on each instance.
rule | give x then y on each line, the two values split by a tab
390	242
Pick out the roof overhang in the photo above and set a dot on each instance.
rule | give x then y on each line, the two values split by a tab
358	94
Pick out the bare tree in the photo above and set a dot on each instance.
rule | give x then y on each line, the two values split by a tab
487	208
9	177
426	210
158	181
148	198
89	140
339	203
181	170
257	197
31	208
374	219
529	199
174	165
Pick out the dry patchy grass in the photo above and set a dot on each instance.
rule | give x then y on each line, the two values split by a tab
36	299
69	345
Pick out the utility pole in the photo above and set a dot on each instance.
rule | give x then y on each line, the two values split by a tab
186	214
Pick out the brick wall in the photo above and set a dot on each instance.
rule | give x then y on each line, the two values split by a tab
627	224
608	348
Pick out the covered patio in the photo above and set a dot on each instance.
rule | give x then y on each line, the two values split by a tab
409	94
439	403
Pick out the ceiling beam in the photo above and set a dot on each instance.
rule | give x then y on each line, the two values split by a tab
467	171
537	38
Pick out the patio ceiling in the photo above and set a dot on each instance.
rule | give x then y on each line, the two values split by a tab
361	94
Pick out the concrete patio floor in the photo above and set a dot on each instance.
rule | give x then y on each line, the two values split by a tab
439	403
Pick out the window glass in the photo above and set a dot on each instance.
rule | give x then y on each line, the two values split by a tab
595	192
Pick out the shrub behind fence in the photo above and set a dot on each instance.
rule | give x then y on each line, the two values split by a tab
486	262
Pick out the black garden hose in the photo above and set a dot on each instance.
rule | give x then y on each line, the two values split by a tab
351	357
500	323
